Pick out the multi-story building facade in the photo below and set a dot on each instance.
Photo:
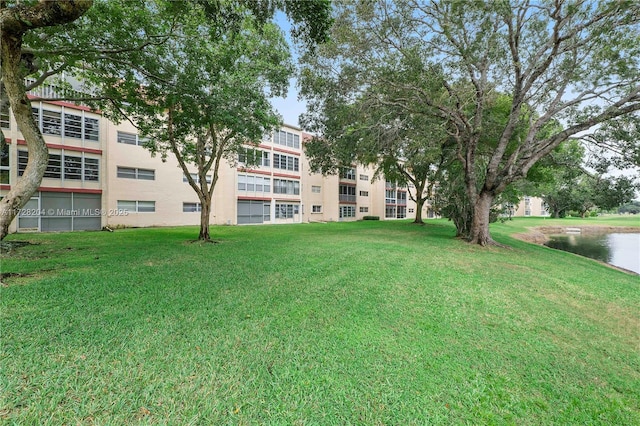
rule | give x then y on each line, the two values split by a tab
531	206
100	174
72	193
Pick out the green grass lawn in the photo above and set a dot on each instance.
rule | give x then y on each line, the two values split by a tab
343	323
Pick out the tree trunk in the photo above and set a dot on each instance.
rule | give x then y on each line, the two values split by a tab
22	190
205	213
419	204
479	232
15	21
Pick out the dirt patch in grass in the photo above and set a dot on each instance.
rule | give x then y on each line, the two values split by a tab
17	278
6	247
5	276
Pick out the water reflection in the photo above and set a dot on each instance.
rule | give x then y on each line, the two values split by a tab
622	250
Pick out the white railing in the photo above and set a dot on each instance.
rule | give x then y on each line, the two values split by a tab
52	91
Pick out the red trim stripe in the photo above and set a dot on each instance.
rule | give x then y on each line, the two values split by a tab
286	151
253	198
79	190
286	175
65	104
258	172
67	147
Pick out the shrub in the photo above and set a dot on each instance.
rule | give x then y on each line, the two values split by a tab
371	218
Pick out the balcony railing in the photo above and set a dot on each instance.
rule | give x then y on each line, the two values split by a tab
53	91
347	198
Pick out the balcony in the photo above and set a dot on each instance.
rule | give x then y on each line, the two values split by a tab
53	91
347	198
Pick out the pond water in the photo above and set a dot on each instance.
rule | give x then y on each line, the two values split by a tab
622	250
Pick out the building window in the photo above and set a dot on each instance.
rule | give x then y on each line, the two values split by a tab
137	206
130	139
5	122
284	186
527	212
135	173
402	212
191	207
401	197
252	183
23	158
196	178
253	212
72	167
287	139
347	193
91	169
364	177
51	123
286	162
390	212
316	209
411	210
63	166
347	211
364	193
72	126
286	211
390	196
364	209
4	163
54	167
253	156
91	129
315	189
348	173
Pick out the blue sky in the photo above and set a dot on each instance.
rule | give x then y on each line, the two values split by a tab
290	107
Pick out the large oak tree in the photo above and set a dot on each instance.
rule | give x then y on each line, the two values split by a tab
576	62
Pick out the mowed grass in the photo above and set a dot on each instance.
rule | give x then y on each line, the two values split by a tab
343	323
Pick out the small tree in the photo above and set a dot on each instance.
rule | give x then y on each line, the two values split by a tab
403	148
107	49
209	97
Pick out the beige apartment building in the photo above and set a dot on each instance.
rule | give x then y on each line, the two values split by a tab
99	174
530	206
